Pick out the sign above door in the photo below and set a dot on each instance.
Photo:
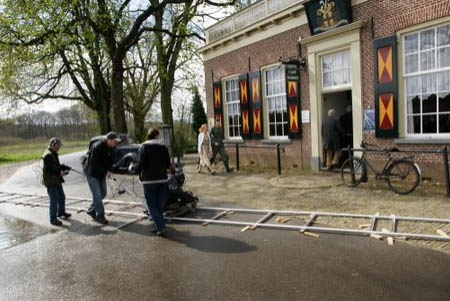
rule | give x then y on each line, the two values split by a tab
325	15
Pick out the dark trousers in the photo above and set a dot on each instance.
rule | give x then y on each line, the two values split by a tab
156	196
223	154
57	201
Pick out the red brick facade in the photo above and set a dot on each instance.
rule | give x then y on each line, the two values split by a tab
382	17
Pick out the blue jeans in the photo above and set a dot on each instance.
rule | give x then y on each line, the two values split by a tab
98	190
57	201
156	196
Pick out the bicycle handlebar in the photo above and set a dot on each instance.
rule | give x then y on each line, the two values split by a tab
365	145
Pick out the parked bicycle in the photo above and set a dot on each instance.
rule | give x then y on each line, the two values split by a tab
401	174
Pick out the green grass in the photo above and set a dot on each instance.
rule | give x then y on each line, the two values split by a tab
33	150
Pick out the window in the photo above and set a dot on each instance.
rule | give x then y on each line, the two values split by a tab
336	70
426	72
233	107
276	101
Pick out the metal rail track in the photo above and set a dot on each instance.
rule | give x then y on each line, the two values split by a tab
310	217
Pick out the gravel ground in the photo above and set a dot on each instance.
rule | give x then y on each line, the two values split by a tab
324	193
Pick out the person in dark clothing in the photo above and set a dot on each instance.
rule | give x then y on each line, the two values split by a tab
52	176
332	139
99	166
217	145
152	166
347	125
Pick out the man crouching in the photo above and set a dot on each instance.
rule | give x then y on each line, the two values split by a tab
53	173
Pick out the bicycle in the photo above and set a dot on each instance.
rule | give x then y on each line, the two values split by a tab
401	174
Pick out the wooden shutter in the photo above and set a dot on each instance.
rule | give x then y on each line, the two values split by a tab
386	87
255	97
245	107
293	100
218	102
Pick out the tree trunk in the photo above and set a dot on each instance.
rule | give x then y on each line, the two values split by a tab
166	103
139	126
120	124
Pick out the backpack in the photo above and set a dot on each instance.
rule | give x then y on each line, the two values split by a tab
85	161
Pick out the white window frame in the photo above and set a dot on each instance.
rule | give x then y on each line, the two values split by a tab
234	102
419	73
341	87
267	105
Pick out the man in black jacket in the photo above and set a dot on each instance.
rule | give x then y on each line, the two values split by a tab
332	139
152	166
99	166
52	176
217	145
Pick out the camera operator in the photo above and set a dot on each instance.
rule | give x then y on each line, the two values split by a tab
52	176
99	166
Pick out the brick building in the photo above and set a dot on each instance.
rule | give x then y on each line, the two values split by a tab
273	82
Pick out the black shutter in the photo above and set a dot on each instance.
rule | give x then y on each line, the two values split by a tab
255	97
386	87
218	102
245	107
293	100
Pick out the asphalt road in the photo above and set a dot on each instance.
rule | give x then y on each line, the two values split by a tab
90	262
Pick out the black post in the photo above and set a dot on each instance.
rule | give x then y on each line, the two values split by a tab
237	156
279	159
447	174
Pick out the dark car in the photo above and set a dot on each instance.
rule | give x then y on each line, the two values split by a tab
125	153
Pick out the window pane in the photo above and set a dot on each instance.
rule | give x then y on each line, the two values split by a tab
429	83
413	105
412	63
411	43
444	102
272	130
412	86
427	39
429	124
444	57
444	81
413	124
427	60
429	104
280	129
444	123
444	35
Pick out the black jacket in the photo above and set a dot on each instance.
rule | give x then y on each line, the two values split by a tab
216	135
332	133
153	162
100	161
51	173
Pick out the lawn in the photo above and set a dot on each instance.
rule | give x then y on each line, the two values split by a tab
33	150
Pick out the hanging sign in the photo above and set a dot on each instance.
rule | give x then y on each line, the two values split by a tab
324	15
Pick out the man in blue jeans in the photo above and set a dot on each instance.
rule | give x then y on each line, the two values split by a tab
99	166
52	176
152	166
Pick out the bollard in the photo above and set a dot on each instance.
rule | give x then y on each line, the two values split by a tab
237	156
279	159
447	175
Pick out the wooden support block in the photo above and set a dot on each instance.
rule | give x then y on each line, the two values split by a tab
441	233
376	236
311	234
204	224
230	212
245	229
282	220
364	226
389	238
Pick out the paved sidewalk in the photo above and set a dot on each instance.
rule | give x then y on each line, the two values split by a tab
323	192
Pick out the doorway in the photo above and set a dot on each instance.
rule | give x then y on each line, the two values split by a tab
341	103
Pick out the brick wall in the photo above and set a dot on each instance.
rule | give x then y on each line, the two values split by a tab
386	16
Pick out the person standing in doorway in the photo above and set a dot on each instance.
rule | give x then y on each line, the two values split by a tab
100	163
152	166
217	145
347	125
52	175
204	148
332	139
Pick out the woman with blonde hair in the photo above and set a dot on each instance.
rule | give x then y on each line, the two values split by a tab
204	148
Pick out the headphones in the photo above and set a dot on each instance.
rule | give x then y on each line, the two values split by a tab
54	142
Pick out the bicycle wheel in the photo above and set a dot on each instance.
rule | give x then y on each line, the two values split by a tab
403	177
352	171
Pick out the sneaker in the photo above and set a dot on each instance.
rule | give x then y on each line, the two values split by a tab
162	233
65	215
92	214
102	220
56	222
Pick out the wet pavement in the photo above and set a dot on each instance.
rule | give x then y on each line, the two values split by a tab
87	261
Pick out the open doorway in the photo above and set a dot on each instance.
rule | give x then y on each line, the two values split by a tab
341	103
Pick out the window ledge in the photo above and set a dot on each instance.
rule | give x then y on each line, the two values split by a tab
422	141
233	141
276	141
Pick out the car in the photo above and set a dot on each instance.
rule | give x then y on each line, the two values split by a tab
125	153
